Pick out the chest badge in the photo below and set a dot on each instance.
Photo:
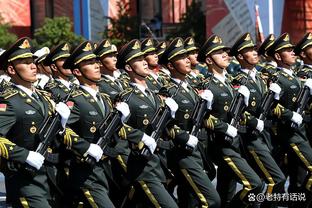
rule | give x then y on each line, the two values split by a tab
33	129
30	112
143	106
92	129
93	113
224	94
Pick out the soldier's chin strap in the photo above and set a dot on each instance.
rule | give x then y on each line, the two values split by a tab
215	63
94	81
20	75
178	70
289	65
136	72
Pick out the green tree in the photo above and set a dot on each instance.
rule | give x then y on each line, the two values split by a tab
124	28
192	23
55	31
6	37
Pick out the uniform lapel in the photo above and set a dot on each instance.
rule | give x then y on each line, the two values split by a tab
92	101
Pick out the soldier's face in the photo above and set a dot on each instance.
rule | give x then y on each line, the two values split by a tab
193	58
152	59
59	63
182	63
308	53
221	58
140	66
250	55
109	61
91	69
26	69
287	56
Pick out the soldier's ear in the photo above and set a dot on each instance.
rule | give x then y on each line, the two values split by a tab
240	56
303	54
128	67
10	69
53	67
208	60
76	72
170	66
277	57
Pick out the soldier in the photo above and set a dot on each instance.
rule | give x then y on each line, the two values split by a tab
194	77
232	167
153	80
194	186
55	59
90	108
269	64
293	140
163	72
44	73
256	144
23	111
145	172
107	54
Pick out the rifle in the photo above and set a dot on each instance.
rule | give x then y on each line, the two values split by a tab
161	123
106	130
236	109
267	103
302	101
47	133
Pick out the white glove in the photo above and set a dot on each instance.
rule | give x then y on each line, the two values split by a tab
123	108
192	141
296	118
276	89
245	92
173	105
35	159
208	96
231	131
64	112
149	142
308	83
260	125
95	151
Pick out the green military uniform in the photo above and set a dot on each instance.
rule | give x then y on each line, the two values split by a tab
232	166
146	174
194	78
194	186
91	183
113	87
257	145
294	141
268	67
58	89
21	118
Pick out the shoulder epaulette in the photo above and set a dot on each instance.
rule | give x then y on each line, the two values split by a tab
169	85
51	85
125	92
44	93
9	92
76	93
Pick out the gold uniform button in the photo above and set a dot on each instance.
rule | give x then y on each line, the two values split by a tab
92	129
294	99
253	103
49	150
33	129
221	85
28	100
186	116
226	108
92	100
154	83
145	122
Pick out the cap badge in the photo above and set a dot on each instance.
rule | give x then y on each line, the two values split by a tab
65	47
25	44
149	43
136	45
88	47
106	44
247	37
179	43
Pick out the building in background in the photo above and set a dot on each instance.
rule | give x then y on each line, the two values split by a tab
228	18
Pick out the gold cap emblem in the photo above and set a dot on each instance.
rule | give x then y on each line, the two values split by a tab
191	42
247	37
149	42
114	48
286	38
25	44
309	36
88	47
163	45
65	47
271	37
179	43
136	45
106	44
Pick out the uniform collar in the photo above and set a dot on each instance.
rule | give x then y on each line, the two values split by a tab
219	77
111	78
90	90
184	83
308	65
154	75
272	63
24	89
142	88
64	82
252	73
287	71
